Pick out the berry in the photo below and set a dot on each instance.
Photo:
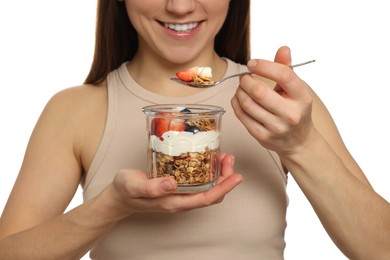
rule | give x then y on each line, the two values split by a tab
185	110
161	125
187	75
191	128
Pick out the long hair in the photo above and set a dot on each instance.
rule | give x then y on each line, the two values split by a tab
116	39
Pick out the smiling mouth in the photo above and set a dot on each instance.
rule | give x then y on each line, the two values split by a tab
181	27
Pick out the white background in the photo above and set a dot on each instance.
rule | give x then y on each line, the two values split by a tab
46	46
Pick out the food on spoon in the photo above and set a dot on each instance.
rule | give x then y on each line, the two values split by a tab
201	75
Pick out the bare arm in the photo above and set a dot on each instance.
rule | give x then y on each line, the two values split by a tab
67	236
291	120
34	225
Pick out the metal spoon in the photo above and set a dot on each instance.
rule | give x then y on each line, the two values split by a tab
208	85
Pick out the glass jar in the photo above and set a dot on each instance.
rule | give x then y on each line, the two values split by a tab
184	144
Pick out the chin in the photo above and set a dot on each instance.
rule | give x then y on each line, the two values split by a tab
181	55
182	60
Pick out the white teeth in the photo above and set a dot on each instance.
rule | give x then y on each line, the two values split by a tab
181	27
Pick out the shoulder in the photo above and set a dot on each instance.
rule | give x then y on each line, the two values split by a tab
78	97
73	106
77	116
76	104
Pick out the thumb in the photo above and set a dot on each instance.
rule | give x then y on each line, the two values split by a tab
135	184
283	56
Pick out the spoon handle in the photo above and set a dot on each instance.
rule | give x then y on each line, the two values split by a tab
249	73
301	64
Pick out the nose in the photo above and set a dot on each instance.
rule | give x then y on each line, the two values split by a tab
181	7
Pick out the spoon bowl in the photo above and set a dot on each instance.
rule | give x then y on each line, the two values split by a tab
212	84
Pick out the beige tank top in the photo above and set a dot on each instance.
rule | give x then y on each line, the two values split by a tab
248	224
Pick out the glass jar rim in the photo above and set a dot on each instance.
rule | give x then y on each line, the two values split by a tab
187	109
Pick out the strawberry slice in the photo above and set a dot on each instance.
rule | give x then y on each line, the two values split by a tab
161	125
187	75
177	125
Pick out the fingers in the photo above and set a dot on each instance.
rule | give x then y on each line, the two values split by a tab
156	195
257	95
265	104
276	117
227	165
217	193
283	56
226	182
210	197
135	184
253	121
262	110
280	72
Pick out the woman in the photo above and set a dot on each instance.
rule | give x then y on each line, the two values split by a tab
89	135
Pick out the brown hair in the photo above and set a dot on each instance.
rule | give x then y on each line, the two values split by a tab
116	39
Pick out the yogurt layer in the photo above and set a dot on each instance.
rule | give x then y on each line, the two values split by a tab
174	143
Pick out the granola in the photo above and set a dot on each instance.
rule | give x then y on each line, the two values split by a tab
203	124
201	80
187	168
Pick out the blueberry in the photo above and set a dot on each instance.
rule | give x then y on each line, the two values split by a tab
185	110
191	128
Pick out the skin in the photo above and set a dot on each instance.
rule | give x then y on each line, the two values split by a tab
66	137
166	54
291	120
65	140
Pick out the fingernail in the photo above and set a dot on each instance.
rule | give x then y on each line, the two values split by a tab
167	186
252	63
232	160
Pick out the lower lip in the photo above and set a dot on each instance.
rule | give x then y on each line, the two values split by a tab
182	35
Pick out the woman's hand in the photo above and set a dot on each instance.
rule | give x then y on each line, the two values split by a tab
291	120
134	192
279	118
